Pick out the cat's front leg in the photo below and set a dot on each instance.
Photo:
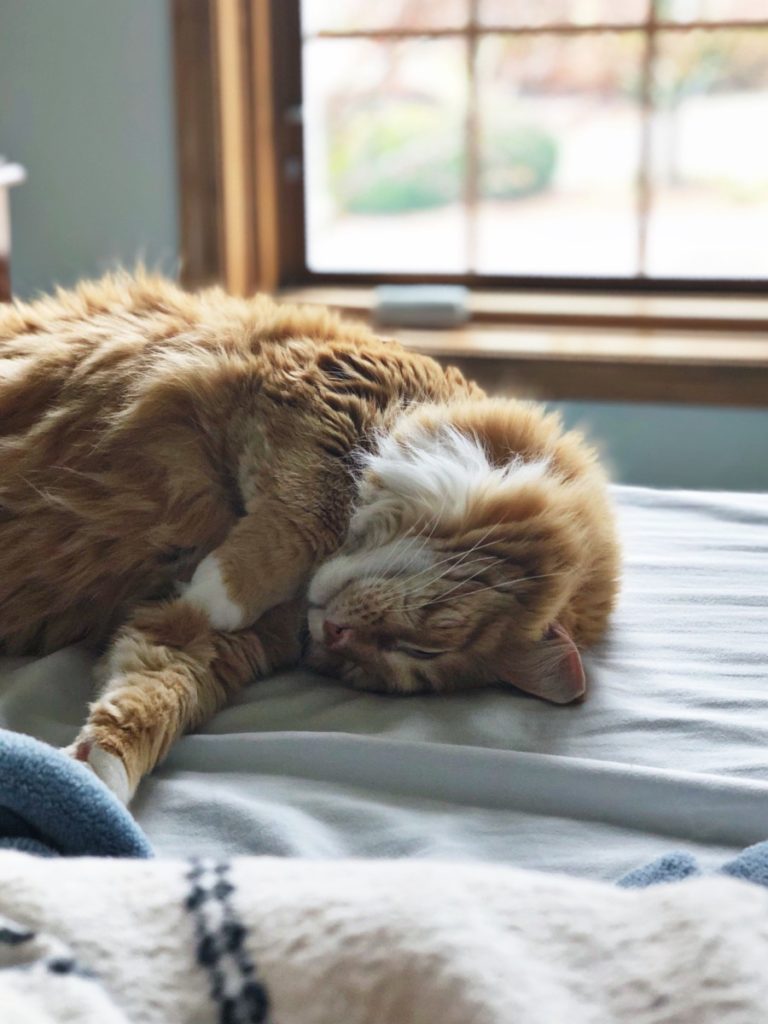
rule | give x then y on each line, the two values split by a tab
264	561
167	672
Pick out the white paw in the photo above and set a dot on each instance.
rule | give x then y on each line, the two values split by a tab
109	768
207	591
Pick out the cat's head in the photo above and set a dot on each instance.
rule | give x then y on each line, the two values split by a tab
462	557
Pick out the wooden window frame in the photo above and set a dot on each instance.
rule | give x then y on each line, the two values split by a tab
240	156
241	216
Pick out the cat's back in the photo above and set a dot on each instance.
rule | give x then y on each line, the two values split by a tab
132	333
62	351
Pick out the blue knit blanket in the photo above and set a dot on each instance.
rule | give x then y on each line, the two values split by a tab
51	805
751	865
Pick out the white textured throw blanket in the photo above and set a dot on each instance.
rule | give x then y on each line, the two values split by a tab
354	942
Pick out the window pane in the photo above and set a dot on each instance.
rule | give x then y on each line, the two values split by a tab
712	10
559	142
531	13
710	144
352	15
384	148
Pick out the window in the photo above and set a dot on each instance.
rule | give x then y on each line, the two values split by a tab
538	150
523	139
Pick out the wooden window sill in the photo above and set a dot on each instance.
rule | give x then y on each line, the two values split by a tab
596	363
647	366
574	309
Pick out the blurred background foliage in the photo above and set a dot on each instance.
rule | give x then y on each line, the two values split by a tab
400	157
397	148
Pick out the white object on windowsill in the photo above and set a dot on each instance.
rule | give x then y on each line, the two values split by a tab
10	174
421	305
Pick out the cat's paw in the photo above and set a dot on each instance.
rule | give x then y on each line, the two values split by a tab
107	767
208	592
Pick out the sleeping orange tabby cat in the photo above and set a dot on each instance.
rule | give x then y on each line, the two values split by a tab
188	479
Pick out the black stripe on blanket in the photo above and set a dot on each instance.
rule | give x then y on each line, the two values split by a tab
15	936
235	988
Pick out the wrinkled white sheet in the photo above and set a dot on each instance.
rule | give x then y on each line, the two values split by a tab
669	751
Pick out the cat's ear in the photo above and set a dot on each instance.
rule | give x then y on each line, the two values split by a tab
552	669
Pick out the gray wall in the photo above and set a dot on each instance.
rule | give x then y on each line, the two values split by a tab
86	105
678	446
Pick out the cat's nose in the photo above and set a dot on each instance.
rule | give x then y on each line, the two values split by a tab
335	636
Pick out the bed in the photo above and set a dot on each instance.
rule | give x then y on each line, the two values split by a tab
670	751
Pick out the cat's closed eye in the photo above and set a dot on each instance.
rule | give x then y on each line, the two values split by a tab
391	643
418	652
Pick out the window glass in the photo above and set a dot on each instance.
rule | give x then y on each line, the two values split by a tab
385	154
560	147
709	210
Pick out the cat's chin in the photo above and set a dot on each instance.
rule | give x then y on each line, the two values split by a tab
319	659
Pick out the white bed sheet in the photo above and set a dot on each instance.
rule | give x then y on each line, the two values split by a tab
669	751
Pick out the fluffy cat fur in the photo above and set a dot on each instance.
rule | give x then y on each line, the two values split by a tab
188	479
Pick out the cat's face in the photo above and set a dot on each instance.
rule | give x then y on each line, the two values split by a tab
451	577
420	614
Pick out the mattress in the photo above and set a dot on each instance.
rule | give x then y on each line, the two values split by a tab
669	751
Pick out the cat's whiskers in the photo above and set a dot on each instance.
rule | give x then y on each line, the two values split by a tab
506	585
410	544
458	585
424	538
452	562
450	568
410	541
452	559
449	561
